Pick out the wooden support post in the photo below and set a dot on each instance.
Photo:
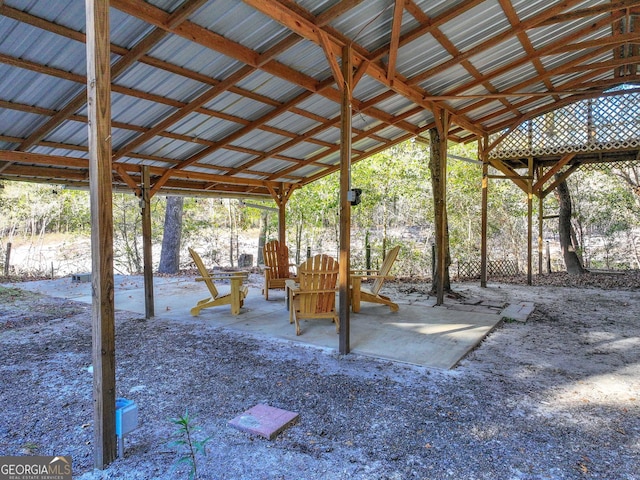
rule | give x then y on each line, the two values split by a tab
442	124
345	205
484	213
282	220
530	223
147	254
103	312
281	198
540	222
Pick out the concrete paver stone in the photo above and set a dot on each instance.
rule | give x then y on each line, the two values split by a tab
264	420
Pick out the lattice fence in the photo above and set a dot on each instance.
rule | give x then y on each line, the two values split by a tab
605	123
471	270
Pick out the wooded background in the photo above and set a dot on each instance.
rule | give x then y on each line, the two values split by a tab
49	226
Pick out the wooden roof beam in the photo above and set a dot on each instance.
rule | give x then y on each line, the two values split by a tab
310	31
118	68
427	24
509	126
550	49
209	39
522	85
494	40
523	38
163	65
591	11
394	42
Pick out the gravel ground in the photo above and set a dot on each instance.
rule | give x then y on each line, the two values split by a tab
555	398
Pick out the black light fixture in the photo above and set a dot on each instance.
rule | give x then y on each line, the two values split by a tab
354	196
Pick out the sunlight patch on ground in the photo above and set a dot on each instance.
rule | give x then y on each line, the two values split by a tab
619	389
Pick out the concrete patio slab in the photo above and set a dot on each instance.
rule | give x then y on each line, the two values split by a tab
420	333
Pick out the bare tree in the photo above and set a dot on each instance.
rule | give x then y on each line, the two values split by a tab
170	253
572	261
437	184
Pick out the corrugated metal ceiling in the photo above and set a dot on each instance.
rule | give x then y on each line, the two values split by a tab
245	90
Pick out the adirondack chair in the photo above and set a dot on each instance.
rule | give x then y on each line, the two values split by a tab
236	295
314	296
277	268
361	294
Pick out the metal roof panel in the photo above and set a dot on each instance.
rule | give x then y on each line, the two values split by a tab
194	57
240	23
293	123
370	23
307	58
198	125
267	85
476	25
153	80
419	55
138	111
224	157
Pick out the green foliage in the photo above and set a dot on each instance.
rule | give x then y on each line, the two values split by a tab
396	208
188	447
34	209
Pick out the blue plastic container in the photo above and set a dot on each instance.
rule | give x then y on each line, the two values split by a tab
126	416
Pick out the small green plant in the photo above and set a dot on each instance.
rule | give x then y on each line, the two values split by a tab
188	447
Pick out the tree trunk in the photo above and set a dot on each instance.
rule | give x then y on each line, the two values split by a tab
170	253
262	237
436	184
230	217
571	259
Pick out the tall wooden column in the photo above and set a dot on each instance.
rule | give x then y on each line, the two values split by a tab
530	223
442	125
100	177
345	205
540	223
484	220
147	254
281	197
282	222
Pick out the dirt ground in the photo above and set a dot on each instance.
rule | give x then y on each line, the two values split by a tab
557	397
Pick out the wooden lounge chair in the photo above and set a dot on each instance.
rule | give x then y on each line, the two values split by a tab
361	294
314	296
236	295
277	269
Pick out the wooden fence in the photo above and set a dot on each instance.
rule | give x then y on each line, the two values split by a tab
471	270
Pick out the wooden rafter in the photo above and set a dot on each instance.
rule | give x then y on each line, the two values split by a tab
213	41
537	187
308	30
494	40
603	53
552	48
590	12
395	39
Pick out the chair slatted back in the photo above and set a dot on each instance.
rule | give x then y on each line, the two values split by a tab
276	257
385	269
318	276
204	273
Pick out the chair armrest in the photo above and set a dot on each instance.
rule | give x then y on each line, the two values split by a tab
230	276
386	277
354	272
